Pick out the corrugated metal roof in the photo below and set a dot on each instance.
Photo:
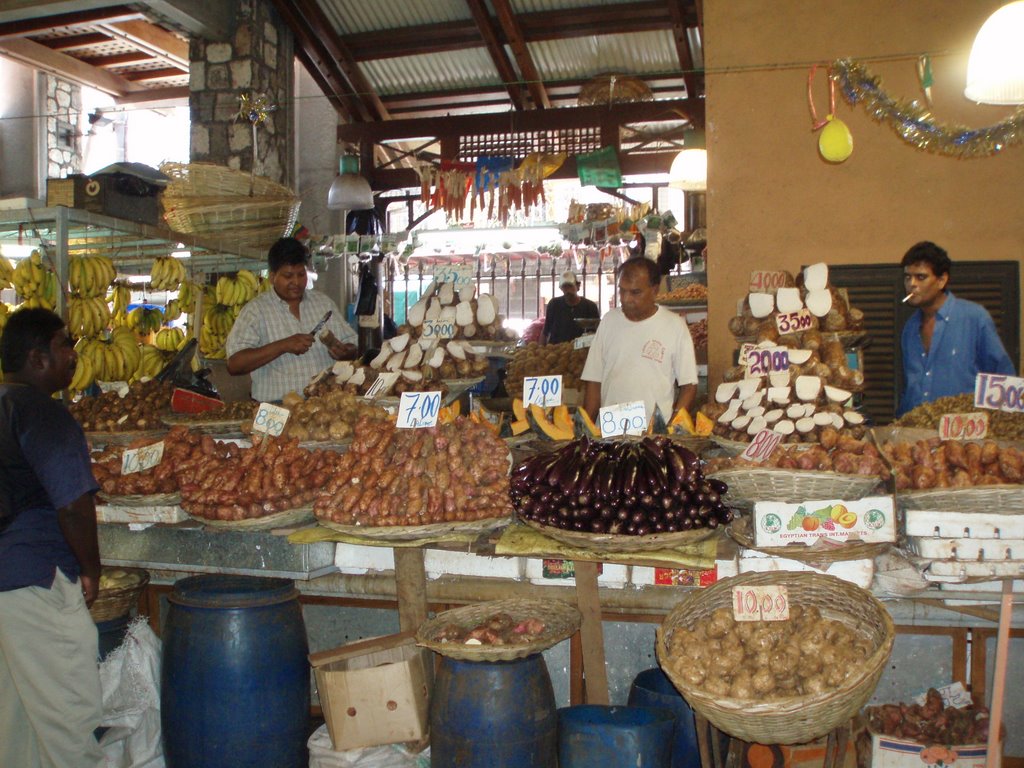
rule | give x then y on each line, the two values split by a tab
635	53
354	16
530	6
455	70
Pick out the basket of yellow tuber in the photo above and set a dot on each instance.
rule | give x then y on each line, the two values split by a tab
777	682
119	590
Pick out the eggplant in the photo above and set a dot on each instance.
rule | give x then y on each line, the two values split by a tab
719	486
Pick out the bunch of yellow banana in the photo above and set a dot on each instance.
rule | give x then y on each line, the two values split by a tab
151	362
265	285
87	316
107	359
90	276
6	273
84	375
172	311
211	344
167	273
219	319
35	282
169	339
145	321
187	294
122	338
120	296
236	291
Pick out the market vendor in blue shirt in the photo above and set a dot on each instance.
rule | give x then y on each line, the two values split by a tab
947	341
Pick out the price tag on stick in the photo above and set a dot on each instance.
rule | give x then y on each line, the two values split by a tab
141	459
765	281
767	603
270	419
418	409
999	392
545	391
792	322
963	426
761	446
760	362
623	419
382	384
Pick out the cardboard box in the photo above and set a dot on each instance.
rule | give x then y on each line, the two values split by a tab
104	194
859	572
375	691
871	519
890	752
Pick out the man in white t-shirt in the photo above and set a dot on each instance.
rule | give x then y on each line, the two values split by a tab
641	351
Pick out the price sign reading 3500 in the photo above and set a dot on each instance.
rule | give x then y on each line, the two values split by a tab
999	392
544	391
458	274
768	603
271	419
141	459
418	409
623	419
791	322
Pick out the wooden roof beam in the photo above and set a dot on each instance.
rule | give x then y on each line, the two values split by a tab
509	25
35	26
151	39
496	50
87	40
694	80
40	57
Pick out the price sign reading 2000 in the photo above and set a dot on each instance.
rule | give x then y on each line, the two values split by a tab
418	409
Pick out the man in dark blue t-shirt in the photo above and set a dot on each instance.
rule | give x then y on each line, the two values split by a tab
50	698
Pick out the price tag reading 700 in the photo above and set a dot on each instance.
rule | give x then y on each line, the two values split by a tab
459	274
418	409
271	419
141	459
623	419
767	603
544	391
999	392
791	322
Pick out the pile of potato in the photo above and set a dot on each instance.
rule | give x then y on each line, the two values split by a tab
1002	425
545	360
140	409
936	463
763	660
331	416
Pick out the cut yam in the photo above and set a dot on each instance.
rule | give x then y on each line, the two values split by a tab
756	411
727	417
382	357
779	378
754	400
358	378
747	387
799	356
447	315
469	331
761	304
456	350
756	425
436	358
819	302
396	361
816	276
784	427
853	418
725	391
464	314
808	387
415	314
805	425
467	292
343	370
779	395
447	294
433	311
837	395
822	418
795	411
740	423
399	342
414	357
485	311
773	415
837	420
414	376
788	300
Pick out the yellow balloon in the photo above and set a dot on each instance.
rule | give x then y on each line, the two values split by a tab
835	142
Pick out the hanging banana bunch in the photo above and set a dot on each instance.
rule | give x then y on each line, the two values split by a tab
35	282
236	291
87	316
169	339
6	273
144	320
167	274
90	276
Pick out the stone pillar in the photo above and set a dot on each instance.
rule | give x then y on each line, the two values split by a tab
258	59
63	111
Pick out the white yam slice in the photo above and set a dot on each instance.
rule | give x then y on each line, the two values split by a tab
754	400
396	361
761	304
467	292
413	376
809	409
747	387
819	302
436	358
464	313
433	310
469	331
358	378
447	294
756	411
784	427
399	342
837	395
816	276
426	344
779	378
740	422
853	418
385	353
799	356
788	300
415	314
779	395
725	391
766	344
756	425
773	415
414	356
456	350
447	315
343	370
805	425
822	418
486	312
808	387
795	411
837	420
727	417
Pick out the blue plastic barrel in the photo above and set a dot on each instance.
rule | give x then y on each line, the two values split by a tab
652	688
235	678
493	714
597	735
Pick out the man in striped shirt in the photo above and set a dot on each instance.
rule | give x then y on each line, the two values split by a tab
272	339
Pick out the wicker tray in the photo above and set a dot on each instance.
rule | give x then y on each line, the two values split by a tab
795	719
416	532
561	620
750	484
286	517
114	603
694	443
739	531
140	500
222	428
615	542
736	447
123	438
985	498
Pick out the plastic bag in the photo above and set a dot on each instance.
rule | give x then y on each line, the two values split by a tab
322	755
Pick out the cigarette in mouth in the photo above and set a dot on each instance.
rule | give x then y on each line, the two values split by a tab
906	298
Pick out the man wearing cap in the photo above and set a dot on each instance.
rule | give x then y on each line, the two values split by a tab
563	311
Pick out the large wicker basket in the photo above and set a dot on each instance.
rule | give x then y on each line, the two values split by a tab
750	484
796	719
114	603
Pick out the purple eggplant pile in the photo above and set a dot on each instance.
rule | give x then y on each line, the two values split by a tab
629	487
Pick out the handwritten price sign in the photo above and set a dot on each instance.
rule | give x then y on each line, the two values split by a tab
459	274
765	281
792	322
767	603
141	459
542	390
418	409
270	419
583	342
762	445
382	384
439	329
623	419
963	426
999	392
761	362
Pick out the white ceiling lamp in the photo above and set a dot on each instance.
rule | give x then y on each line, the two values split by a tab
349	191
995	69
689	171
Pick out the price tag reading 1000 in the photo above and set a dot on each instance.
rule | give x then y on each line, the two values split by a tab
767	603
418	409
141	459
545	391
271	419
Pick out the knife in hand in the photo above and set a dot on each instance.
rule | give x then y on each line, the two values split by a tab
323	321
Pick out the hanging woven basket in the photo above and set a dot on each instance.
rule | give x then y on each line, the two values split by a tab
614	88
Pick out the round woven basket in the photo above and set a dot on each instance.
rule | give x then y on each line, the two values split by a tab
984	498
561	620
416	532
226	428
114	603
750	484
614	88
795	719
615	542
122	438
736	447
142	500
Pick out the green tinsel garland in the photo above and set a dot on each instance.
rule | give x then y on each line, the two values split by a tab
915	125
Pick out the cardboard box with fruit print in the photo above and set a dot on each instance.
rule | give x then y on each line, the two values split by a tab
871	519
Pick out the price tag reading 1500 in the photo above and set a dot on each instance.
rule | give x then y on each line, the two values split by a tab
141	459
623	419
418	409
999	392
271	419
767	603
545	391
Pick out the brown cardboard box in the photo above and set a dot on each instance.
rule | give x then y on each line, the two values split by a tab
374	691
105	194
